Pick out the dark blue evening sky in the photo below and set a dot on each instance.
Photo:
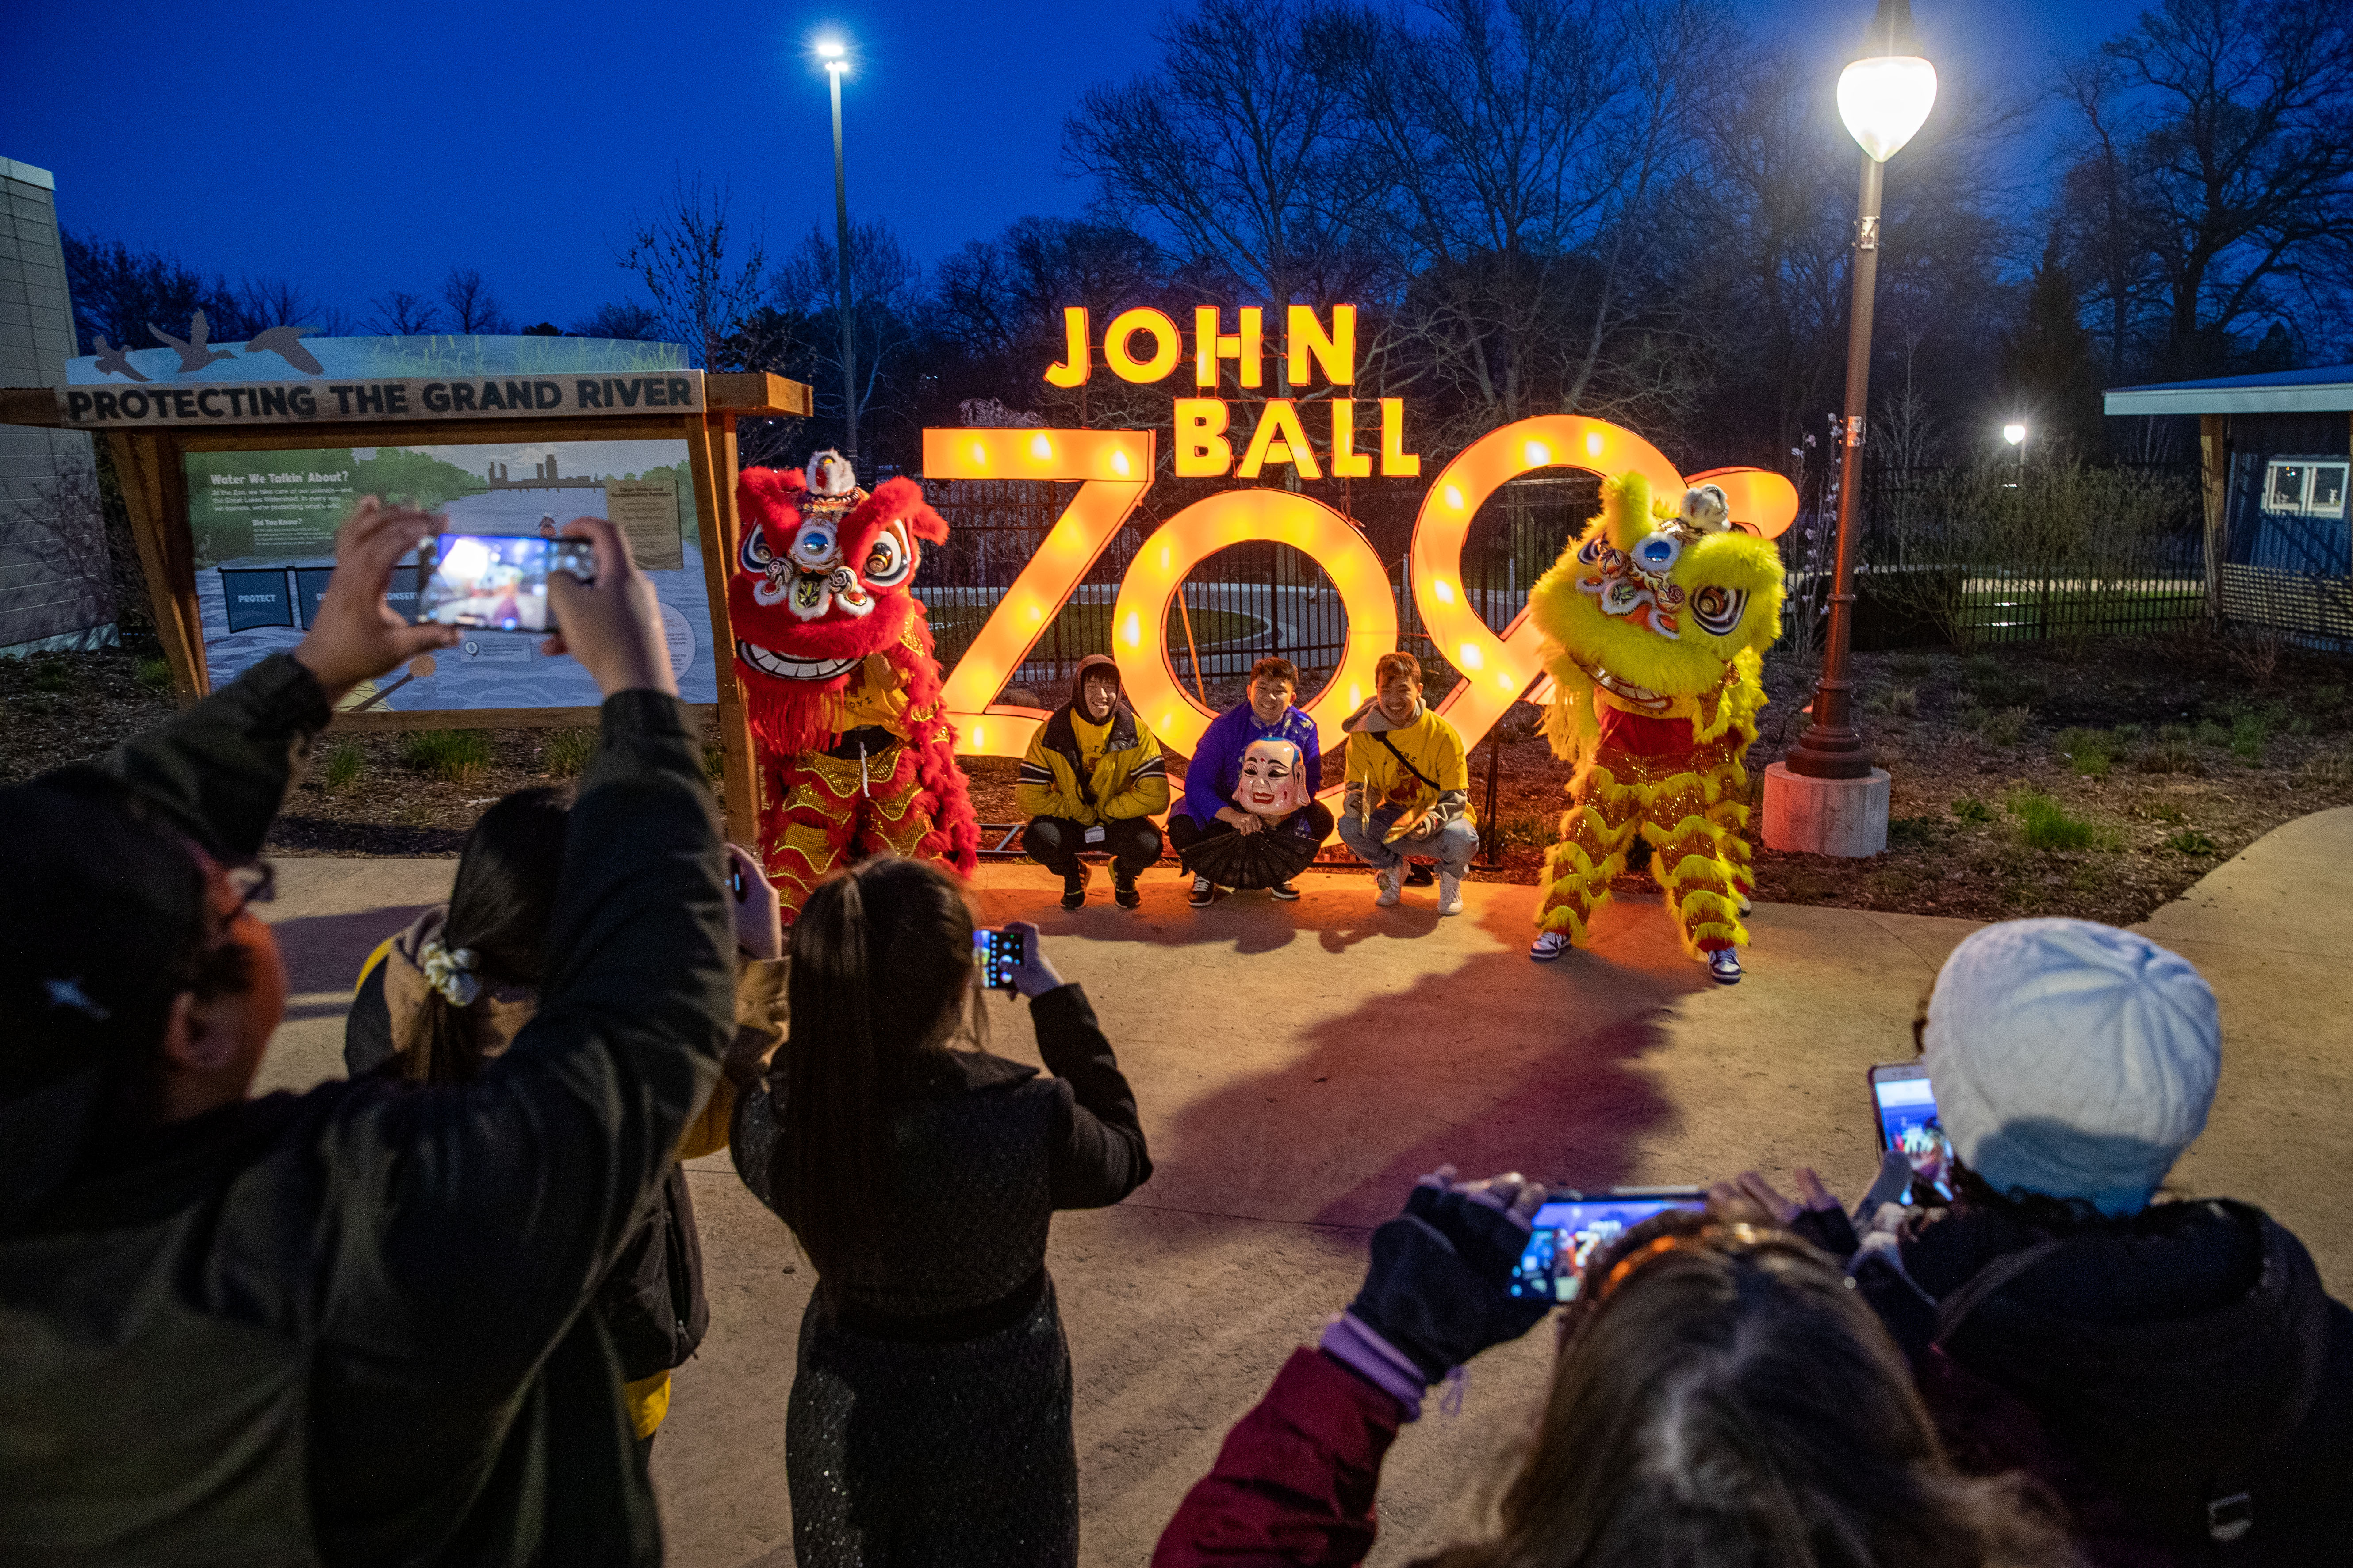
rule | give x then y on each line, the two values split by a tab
363	148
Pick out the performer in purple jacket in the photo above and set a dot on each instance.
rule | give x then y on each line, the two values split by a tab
1209	808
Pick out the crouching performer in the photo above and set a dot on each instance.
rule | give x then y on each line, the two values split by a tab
839	683
1655	626
1093	780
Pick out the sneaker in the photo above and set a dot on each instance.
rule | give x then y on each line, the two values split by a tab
1074	885
1548	945
1746	909
1284	891
1449	893
1124	892
1724	966
1387	883
1419	875
1204	892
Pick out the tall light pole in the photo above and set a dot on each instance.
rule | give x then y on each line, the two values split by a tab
1883	98
2015	433
833	54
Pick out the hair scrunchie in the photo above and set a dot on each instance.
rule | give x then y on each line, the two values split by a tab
451	972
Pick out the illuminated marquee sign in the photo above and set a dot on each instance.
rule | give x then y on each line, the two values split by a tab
1114	468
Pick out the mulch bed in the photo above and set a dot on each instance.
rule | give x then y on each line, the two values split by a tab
2220	744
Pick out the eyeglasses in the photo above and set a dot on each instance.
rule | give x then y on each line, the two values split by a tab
253	882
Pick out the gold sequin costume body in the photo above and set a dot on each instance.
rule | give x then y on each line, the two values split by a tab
1656	621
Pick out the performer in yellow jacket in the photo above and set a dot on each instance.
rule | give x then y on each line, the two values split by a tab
1409	790
1093	779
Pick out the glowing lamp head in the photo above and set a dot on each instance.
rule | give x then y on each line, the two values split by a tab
2015	433
829	49
1885	100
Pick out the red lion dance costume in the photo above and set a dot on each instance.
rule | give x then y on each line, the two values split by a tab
839	683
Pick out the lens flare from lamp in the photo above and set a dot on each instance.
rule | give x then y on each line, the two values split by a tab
1885	100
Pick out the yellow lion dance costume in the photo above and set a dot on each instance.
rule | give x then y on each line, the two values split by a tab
1655	626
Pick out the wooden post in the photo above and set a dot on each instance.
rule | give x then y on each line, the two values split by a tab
153	492
2214	486
712	451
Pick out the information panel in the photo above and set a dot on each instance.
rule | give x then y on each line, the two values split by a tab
264	528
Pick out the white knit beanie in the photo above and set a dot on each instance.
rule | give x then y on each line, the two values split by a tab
2071	1059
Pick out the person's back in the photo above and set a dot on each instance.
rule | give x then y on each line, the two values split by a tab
341	1326
2183	1357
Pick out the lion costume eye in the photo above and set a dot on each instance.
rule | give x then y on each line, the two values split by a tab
814	545
1718	610
754	552
1658	554
888	560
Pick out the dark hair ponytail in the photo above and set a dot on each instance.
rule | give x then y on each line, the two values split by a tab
500	909
880	978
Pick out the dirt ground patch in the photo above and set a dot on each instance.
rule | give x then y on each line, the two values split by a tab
2027	782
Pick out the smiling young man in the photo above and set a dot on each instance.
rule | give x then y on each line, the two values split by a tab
1215	773
1408	789
1093	779
344	1326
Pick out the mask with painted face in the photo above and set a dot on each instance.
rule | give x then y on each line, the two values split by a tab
1274	780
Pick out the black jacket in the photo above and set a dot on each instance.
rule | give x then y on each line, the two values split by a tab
2175	1360
346	1326
984	1155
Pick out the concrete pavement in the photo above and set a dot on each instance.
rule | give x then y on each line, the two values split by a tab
1298	1065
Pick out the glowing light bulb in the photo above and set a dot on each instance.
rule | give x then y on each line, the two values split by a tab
1132	632
1040	448
1444	589
1593	444
1885	100
1537	454
1454	498
1504	680
1036	614
1119	464
1472	658
979	453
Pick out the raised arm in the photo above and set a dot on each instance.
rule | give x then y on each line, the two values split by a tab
1097	1156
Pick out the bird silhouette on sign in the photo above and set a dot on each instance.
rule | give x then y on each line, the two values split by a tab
193	354
285	343
116	361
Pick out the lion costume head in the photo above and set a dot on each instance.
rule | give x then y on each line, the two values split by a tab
820	588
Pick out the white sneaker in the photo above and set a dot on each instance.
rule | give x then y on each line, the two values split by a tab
1548	945
1388	884
1724	966
1449	893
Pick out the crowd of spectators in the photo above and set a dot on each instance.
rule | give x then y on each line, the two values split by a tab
428	1313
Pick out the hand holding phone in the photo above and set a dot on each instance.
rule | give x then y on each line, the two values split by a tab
1904	1103
494	582
759	919
1011	960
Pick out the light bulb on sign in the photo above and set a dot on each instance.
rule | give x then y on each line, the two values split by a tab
1885	100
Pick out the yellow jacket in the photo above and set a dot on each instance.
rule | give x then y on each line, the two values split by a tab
1377	774
1129	778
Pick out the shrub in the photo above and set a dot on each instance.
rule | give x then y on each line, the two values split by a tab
51	672
2162	813
1913	832
2248	733
2168	755
341	766
155	674
2328	769
1969	808
2047	824
1904	702
2090	750
2209	734
2327	696
2189	841
566	751
453	756
1912	666
2005	728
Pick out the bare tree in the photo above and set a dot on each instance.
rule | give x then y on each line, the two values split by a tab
400	314
472	306
59	533
885	294
2213	176
1239	144
705	280
623	319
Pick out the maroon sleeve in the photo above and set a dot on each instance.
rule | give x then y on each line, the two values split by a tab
1295	1482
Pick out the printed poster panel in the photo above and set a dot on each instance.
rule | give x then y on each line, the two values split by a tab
264	526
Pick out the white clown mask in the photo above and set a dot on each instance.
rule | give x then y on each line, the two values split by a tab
1274	780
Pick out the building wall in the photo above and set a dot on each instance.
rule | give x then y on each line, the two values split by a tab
44	602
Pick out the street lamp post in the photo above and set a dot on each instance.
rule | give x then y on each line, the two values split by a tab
833	55
1883	97
2015	433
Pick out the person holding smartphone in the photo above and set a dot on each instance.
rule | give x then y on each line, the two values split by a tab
930	1417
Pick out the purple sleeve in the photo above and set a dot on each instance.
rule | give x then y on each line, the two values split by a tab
1310	745
1207	791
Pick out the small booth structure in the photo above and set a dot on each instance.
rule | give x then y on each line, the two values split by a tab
2274	454
238	461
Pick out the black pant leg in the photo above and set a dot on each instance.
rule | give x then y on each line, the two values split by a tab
1052	842
1319	820
1183	832
1133	842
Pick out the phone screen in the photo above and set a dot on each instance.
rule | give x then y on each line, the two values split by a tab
498	582
1567	1232
999	953
1905	1104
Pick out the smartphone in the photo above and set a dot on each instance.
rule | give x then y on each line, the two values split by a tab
1571	1226
1904	1103
495	581
999	953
